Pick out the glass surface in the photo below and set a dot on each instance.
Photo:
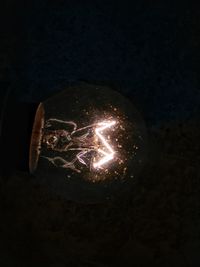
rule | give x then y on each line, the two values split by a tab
88	143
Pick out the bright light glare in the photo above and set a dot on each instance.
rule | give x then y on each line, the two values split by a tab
107	151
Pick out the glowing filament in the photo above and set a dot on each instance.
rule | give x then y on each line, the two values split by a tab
79	140
108	152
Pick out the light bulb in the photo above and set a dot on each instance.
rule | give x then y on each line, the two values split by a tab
87	142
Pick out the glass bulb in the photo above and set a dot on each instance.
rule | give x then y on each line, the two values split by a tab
88	143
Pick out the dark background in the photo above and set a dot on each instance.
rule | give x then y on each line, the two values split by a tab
149	52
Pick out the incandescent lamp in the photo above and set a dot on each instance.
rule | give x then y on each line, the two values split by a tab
87	143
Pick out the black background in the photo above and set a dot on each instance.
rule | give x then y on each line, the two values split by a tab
147	50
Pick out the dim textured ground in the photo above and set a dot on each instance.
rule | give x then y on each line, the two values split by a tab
158	224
